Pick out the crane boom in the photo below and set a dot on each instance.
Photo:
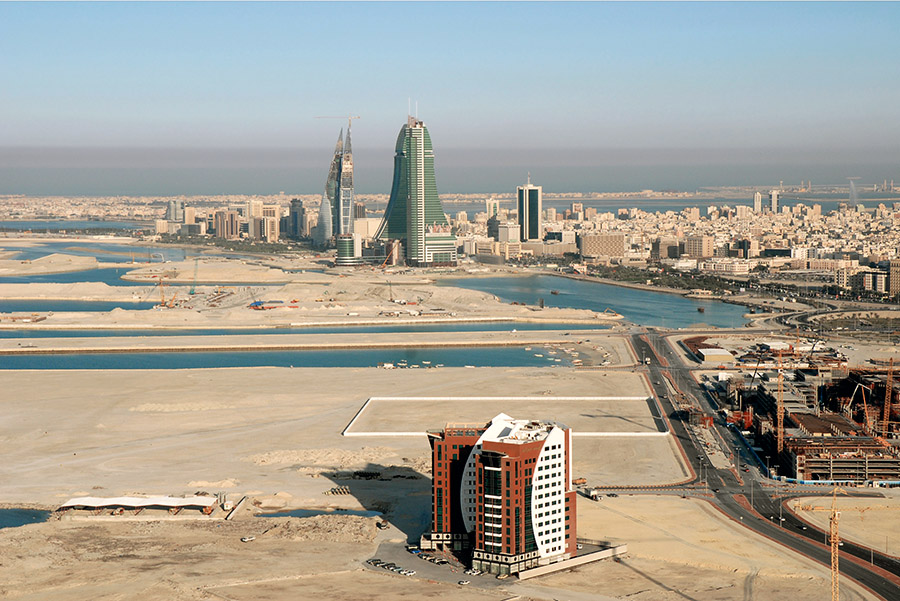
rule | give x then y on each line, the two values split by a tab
888	399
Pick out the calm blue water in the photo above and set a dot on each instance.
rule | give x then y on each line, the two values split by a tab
102	251
107	275
308	513
54	225
448	327
59	306
638	306
13	518
449	357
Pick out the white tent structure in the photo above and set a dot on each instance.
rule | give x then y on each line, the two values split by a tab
197	502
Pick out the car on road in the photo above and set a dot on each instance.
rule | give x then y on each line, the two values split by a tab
463	582
247	539
612	494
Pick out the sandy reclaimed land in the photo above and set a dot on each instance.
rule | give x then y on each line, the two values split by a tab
162	561
53	263
685	549
871	522
273	434
604	415
306	298
66	432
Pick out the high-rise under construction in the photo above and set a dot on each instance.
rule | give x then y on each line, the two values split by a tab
414	215
336	210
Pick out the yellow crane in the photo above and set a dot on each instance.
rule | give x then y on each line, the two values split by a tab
888	399
835	539
780	410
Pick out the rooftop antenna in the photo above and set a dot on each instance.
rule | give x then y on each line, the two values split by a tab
529	178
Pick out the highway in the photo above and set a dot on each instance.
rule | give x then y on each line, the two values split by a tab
725	486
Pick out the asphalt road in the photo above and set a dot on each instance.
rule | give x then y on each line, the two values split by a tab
724	485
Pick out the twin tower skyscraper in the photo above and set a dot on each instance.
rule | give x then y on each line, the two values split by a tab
335	217
414	218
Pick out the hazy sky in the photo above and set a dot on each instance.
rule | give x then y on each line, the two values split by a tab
804	80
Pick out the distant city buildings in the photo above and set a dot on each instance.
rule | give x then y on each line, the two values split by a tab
503	491
414	216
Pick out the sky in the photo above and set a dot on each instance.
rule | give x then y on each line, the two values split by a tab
199	97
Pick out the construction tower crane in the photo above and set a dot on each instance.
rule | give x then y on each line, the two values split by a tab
835	539
349	118
780	410
888	399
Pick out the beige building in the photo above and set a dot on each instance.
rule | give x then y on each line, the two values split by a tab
699	247
894	276
602	245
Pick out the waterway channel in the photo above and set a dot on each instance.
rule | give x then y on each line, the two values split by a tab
457	326
412	358
644	307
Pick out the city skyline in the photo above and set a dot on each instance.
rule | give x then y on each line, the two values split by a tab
627	96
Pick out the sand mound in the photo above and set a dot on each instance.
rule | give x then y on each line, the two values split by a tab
331	528
177	407
323	457
229	483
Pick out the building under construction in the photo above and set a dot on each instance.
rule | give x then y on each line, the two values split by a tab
844	429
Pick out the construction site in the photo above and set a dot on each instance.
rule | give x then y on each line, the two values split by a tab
815	418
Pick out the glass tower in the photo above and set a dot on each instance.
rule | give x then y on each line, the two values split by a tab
414	214
529	206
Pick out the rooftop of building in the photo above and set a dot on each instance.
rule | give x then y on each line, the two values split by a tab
520	430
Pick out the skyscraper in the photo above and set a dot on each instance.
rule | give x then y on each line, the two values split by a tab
414	214
342	221
503	490
325	229
296	219
492	207
757	202
773	201
530	199
336	211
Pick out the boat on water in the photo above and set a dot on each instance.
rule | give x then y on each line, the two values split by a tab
554	292
701	309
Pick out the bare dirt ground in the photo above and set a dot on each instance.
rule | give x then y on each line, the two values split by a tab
685	549
274	435
871	522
